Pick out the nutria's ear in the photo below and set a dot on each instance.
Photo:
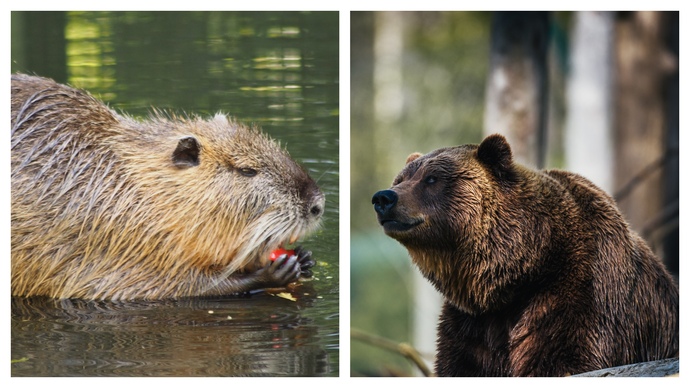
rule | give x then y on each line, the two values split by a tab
187	153
494	152
413	156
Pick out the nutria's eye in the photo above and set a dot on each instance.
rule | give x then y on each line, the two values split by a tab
248	172
430	180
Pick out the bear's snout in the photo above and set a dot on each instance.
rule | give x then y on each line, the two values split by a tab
384	200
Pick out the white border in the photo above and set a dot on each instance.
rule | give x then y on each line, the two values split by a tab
344	239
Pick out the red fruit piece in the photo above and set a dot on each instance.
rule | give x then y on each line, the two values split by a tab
279	252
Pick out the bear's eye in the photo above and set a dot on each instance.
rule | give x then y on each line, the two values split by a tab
248	172
431	179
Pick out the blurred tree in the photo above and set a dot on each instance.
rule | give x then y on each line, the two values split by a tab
644	65
516	95
589	123
669	231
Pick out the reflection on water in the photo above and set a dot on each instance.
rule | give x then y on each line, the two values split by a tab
276	70
259	335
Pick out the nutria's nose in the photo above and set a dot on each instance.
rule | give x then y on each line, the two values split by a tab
384	200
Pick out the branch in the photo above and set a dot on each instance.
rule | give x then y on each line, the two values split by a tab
644	173
402	348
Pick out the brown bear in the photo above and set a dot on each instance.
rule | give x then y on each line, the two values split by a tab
540	273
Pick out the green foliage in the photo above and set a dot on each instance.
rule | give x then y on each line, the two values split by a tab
380	297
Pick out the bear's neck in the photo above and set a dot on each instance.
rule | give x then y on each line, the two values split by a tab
450	275
487	275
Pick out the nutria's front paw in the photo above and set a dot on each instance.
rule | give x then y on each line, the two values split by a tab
284	270
305	262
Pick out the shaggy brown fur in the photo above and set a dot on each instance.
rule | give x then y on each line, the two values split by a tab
108	207
540	272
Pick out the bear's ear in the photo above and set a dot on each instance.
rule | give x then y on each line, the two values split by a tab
494	152
187	153
412	157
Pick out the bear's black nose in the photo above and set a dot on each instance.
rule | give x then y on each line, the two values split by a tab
384	200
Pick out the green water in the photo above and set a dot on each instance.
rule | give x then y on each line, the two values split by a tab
278	70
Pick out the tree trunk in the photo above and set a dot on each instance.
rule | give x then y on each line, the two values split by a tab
642	65
516	95
589	122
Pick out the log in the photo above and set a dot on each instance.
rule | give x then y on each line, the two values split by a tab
659	368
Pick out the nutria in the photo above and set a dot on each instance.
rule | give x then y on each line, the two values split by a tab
541	274
105	206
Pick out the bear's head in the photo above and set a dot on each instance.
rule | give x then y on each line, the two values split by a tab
463	212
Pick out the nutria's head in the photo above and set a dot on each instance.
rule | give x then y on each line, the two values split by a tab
230	192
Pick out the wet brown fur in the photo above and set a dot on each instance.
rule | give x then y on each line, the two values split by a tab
540	273
100	211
